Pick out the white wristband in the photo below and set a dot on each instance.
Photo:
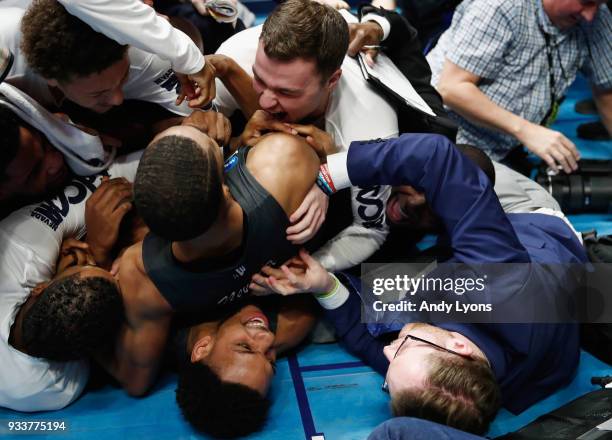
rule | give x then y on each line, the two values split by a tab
336	298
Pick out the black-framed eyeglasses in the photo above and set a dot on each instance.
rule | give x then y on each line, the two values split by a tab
385	385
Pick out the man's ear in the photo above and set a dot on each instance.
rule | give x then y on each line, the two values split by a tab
227	194
459	344
202	348
333	79
226	200
415	197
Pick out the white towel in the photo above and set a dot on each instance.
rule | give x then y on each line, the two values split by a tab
78	147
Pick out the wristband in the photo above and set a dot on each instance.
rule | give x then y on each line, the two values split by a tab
335	298
323	185
333	290
324	180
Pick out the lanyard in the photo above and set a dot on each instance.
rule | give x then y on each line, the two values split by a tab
551	74
555	103
551	114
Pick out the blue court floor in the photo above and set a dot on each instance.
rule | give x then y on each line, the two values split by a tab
322	392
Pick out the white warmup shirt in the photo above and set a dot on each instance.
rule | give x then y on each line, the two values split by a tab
355	112
30	240
150	78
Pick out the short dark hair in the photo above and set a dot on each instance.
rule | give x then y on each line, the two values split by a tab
178	188
306	29
72	316
217	408
458	392
9	138
480	158
59	46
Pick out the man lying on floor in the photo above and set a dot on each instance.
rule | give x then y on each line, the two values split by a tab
223	363
456	374
30	239
226	366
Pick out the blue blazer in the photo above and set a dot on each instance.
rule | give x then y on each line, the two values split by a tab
463	197
530	361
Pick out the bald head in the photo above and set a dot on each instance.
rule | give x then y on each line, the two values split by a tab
288	166
177	189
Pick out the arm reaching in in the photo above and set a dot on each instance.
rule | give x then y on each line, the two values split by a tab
135	23
237	81
135	361
309	217
365	37
214	124
315	279
357	242
319	140
260	123
342	306
429	162
459	90
198	88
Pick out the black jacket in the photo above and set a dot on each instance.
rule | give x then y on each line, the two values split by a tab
404	49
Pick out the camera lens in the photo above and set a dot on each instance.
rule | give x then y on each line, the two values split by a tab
589	190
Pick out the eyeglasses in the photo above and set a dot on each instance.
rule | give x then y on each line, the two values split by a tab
385	385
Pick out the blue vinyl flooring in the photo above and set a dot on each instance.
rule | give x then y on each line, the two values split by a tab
321	391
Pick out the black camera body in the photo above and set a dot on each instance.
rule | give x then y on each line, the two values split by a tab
589	189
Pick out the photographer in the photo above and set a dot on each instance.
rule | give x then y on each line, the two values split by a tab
503	69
